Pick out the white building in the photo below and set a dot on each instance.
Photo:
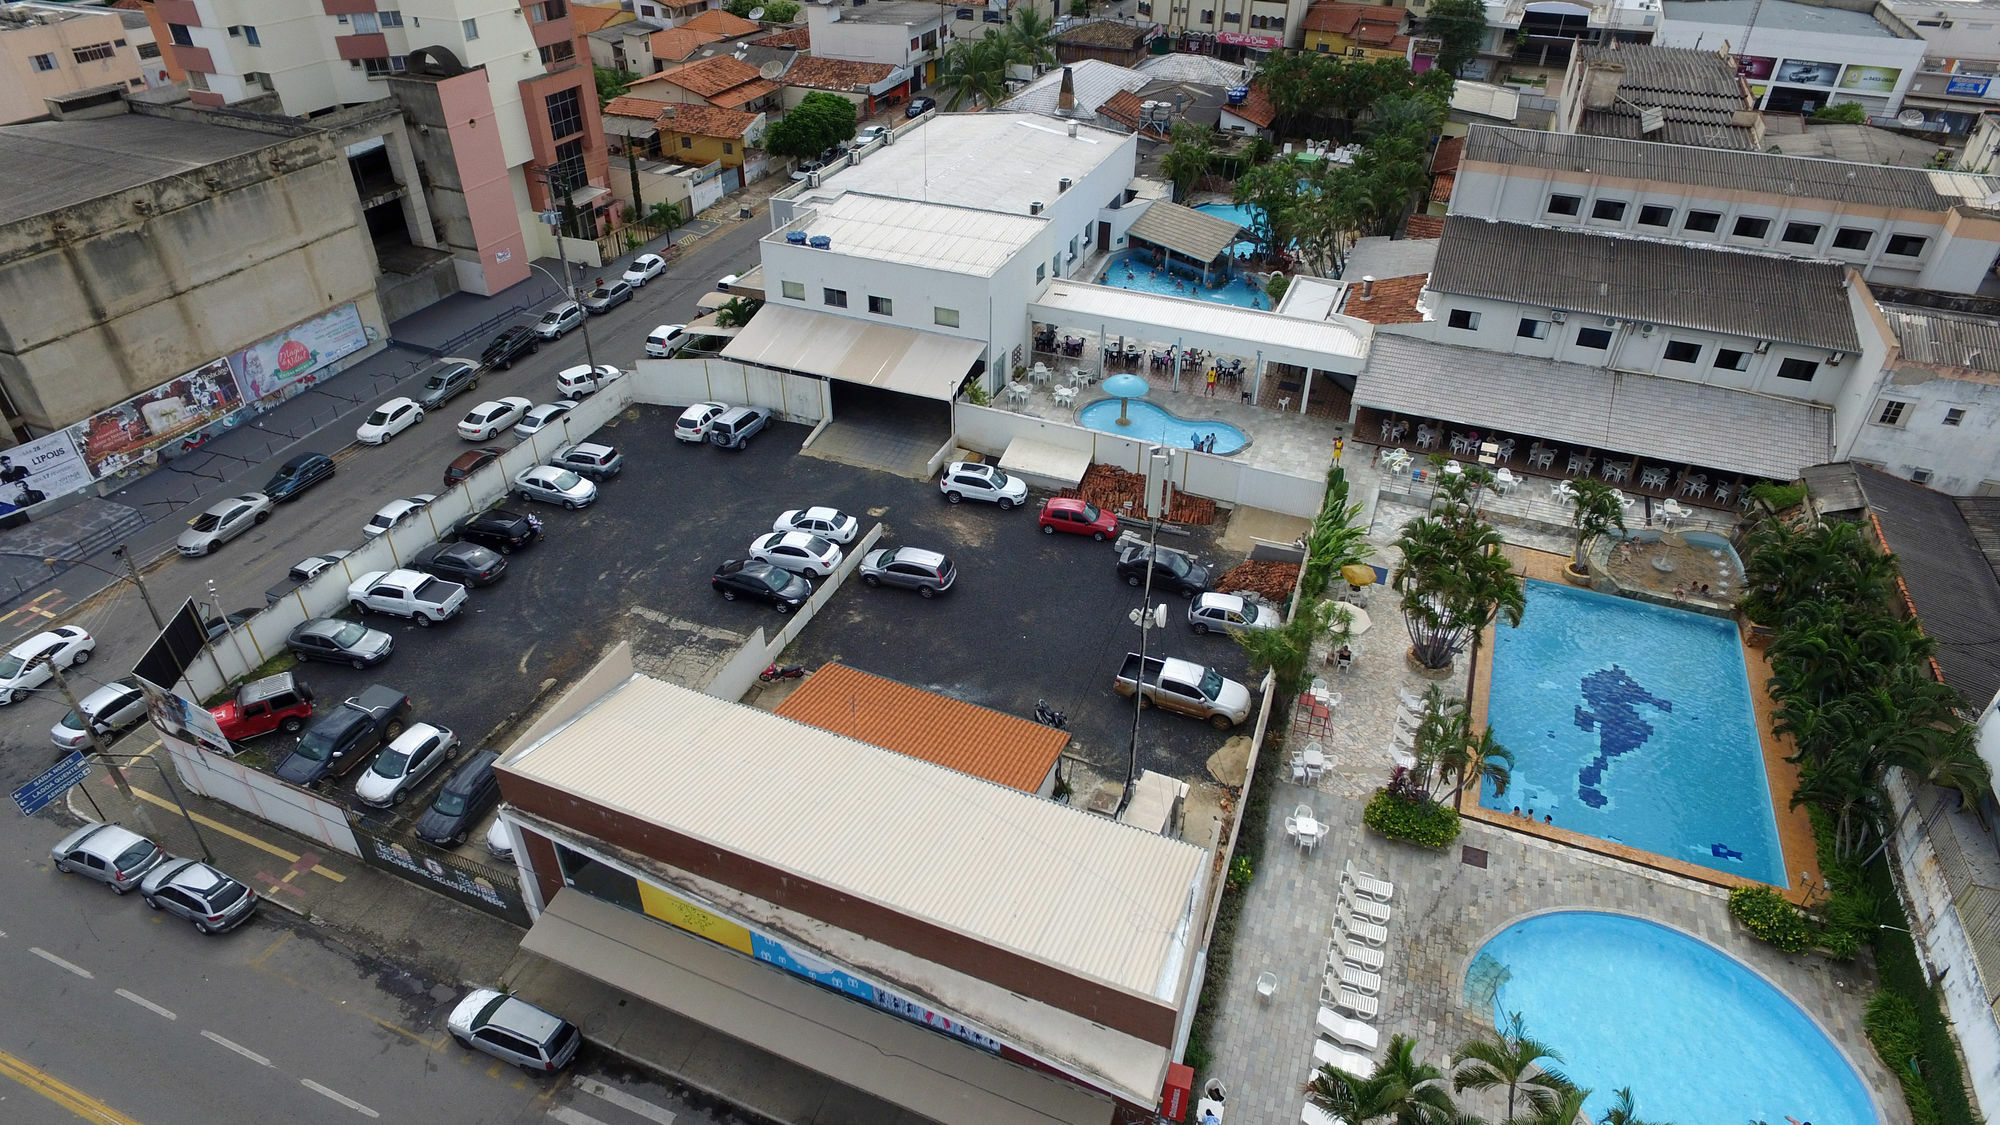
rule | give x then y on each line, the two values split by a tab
1799	57
1960	76
1935	414
902	33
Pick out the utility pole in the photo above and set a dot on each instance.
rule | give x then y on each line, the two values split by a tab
132	571
96	742
557	186
1161	460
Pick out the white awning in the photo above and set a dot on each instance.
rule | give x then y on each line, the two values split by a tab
1334	343
927	364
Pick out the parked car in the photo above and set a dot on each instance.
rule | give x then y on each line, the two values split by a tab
664	341
643	269
404	764
492	418
467	563
302	572
589	459
734	428
467	463
298	474
927	572
830	524
723	283
341	642
1078	517
23	668
421	597
541	416
222	522
513	1031
558	319
117	857
694	422
1172	684
191	889
395	513
978	481
806	168
509	346
344	737
388	420
800	552
1172	570
583	379
551	485
448	378
606	297
751	578
1230	613
499	528
278	702
869	134
217	627
466	795
918	107
110	711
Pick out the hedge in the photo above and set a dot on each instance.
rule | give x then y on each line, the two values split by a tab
1766	913
1422	822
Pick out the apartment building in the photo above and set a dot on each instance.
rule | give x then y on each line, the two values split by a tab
48	50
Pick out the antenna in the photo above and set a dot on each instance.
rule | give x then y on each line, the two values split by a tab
756	14
772	70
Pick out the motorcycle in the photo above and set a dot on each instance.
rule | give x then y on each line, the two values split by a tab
1049	716
781	672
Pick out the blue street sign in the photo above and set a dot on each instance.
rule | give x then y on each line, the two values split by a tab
53	782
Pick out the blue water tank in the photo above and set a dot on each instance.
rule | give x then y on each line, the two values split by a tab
821	242
796	237
1238	94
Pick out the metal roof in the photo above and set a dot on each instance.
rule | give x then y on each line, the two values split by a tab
1785	15
929	364
1949	580
48	165
1094	81
1662	419
1945	339
995	161
1692	285
1320	344
1094	897
957	239
1204	70
1197	234
1697	91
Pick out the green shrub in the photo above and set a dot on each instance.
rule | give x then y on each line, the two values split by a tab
1422	822
1896	1030
1937	1092
1839	944
1778	497
1241	873
1765	912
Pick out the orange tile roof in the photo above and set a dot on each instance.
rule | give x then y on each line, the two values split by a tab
1441	188
675	44
709	76
632	107
1393	301
744	94
936	728
1424	226
1342	19
836	74
797	38
1450	151
1256	108
705	121
586	18
722	23
1124	107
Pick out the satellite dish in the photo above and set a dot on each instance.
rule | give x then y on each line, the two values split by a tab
772	70
1910	117
756	13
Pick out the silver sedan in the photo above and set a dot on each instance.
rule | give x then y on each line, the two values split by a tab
223	522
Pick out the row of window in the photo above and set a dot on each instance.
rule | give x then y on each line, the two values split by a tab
1677	351
1754	227
1893	412
880	306
728	147
366	23
93	53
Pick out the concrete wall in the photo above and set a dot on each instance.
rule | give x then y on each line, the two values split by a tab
678	382
1962	457
23	85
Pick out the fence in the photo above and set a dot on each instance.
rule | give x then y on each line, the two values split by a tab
262	796
482	888
677	382
734	679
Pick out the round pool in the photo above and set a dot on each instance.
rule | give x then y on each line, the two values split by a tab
1155	424
1698	1036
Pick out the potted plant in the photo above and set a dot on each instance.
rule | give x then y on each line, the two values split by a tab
1597	513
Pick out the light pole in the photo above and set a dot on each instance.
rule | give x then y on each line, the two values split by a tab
96	742
1159	478
131	571
556	185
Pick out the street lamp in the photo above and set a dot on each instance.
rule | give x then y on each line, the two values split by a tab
1159	474
552	179
131	571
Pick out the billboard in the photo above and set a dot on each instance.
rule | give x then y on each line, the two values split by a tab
1755	66
1805	72
36	470
1968	85
134	431
269	368
1871	79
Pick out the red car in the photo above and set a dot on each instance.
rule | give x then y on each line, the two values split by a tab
261	706
1078	517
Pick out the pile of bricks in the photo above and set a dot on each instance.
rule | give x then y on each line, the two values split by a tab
1272	581
1117	491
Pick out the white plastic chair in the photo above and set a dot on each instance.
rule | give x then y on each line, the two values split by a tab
1267	983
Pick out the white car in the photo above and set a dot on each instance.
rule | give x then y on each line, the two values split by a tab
830	524
23	669
796	551
643	269
490	418
223	522
310	568
1228	612
581	380
869	134
540	416
555	486
976	481
663	341
401	765
497	840
390	418
395	512
693	423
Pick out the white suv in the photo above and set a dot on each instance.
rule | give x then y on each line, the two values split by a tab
970	479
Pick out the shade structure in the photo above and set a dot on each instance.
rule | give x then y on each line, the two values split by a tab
1351	618
1125	387
1358	574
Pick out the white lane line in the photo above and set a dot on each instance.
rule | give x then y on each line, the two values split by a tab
147	1004
336	1095
239	1048
623	1100
568	1116
59	963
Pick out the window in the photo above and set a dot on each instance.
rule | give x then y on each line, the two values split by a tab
43	62
178	32
1807	233
945	317
562	50
391	19
1610	210
1729	359
547	10
792	290
1565	204
197	80
1750	226
1596	339
1801	369
471	28
1041	271
565	114
837	298
1704	221
1954	416
1851	238
365	23
149	50
881	306
567	168
1466	319
1920	476
687	142
1208	15
1532	329
728	148
250	37
1680	351
378	68
1232	17
1905	245
94	52
235	31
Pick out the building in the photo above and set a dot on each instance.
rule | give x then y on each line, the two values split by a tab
1957	82
626	45
724	81
703	134
1935	413
903	34
868	85
50	50
1247	110
1076	90
1111	41
1361	31
1233	30
1532	41
1800	56
670	47
1669	94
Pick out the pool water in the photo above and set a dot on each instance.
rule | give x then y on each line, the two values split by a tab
1243	215
1698	1036
1153	424
1632	722
1134	270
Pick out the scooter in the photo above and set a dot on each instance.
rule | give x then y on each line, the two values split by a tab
782	672
1049	716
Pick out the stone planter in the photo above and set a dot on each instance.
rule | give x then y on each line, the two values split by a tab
1578	577
1444	673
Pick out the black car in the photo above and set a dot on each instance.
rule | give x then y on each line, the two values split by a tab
500	529
297	475
467	794
217	627
344	736
1172	570
750	578
460	562
919	106
509	346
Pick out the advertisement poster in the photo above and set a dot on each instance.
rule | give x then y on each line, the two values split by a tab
37	470
1967	86
1241	39
133	431
1755	66
1871	79
814	969
266	369
1803	72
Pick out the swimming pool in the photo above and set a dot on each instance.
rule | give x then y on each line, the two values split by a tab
1698	1036
1134	270
1155	424
1632	722
1243	215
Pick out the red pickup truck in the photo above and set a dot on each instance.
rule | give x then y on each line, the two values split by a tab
277	702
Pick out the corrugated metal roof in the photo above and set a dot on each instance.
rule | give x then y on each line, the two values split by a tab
1693	285
958	239
1697	91
1205	70
1198	234
952	733
1663	419
1950	582
1093	80
852	350
1087	894
1945	339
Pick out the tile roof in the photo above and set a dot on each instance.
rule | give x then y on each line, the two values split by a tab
1393	300
951	733
586	18
676	43
1123	107
799	38
723	24
1441	188
744	94
1256	109
1692	285
1424	226
633	107
705	121
1949	578
707	77
836	74
1945	339
1104	33
1449	152
1342	19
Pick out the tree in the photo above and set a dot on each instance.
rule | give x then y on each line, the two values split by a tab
1401	1090
1485	760
1284	651
737	311
1622	1113
1506	1058
665	214
820	121
1189	158
1031	38
1453	579
611	83
775	11
974	71
1597	512
1564	1110
1460	28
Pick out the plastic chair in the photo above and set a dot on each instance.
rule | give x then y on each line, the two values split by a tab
1267	983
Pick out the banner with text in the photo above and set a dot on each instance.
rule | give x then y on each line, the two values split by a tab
266	369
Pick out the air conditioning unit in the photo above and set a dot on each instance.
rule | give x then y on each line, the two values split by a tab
1610	322
1558	315
1646	330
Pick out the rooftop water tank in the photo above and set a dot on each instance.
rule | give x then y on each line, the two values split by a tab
821	242
796	237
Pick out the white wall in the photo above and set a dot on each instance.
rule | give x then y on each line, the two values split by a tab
1786	43
678	382
1964	458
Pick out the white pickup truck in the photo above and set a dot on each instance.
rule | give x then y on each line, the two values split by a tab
1182	685
406	593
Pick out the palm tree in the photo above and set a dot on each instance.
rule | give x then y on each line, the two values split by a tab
1597	513
1485	760
1948	761
1287	650
1402	1091
1189	158
1564	1109
1508	1058
1622	1113
1031	38
974	70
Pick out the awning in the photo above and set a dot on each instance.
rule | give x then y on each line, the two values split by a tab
1184	230
855	351
1670	420
894	1059
620	125
1336	343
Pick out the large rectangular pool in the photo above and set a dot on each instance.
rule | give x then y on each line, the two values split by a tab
1632	722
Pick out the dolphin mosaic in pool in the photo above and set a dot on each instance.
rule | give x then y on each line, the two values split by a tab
1614	698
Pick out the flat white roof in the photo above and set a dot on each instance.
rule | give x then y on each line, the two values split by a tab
958	239
1093	897
993	161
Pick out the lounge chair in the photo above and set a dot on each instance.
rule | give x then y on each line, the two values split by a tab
1381	890
1328	1054
1359	907
1359	979
1314	1115
1335	1026
1413	702
1354	953
1403	758
1348	1000
1369	932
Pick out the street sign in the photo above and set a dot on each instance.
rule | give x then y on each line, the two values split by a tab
53	782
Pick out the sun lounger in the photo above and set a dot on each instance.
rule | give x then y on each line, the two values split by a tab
1368	932
1335	1026
1381	890
1314	1115
1328	1054
1361	908
1347	1000
1354	953
1413	701
1359	979
1403	758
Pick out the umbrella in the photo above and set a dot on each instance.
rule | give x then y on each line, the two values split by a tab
1355	619
1358	574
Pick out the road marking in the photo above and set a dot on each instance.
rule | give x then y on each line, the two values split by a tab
147	1004
240	1049
437	1044
623	1100
569	1116
60	1092
336	1095
58	962
37	608
243	837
